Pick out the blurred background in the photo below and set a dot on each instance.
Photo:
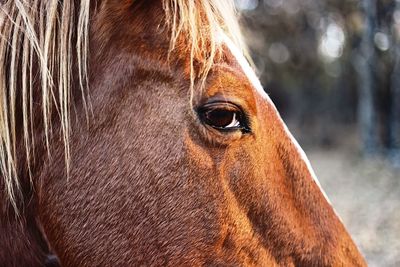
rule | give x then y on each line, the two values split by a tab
332	68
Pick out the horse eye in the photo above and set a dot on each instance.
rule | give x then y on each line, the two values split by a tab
220	118
223	116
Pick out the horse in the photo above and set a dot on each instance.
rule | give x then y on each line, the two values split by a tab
136	132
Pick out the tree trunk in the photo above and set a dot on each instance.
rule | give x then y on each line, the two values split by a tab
394	116
365	63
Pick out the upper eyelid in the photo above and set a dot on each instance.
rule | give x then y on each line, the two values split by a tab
237	101
217	104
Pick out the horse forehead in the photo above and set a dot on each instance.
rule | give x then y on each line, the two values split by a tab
255	82
244	65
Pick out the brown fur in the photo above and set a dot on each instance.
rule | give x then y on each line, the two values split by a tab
150	185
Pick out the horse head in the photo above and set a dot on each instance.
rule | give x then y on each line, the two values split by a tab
165	150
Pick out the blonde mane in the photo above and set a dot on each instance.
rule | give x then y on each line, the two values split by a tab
38	39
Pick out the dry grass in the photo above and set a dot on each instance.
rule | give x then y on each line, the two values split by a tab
366	194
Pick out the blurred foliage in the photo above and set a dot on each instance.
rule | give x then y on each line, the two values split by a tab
308	55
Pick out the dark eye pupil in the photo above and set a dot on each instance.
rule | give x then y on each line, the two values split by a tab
219	117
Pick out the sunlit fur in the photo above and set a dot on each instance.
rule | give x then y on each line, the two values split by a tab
45	32
201	22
